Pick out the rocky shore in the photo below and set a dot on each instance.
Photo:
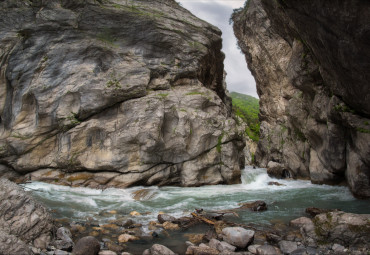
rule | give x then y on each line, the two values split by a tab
30	229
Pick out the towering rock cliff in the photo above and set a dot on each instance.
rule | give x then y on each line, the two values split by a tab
311	62
114	93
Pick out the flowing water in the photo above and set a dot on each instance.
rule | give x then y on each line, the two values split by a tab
284	202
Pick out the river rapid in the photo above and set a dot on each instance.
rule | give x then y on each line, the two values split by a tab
284	202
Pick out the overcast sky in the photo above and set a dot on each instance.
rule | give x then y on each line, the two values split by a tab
218	12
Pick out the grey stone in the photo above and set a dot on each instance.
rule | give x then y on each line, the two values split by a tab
165	217
64	239
158	249
338	248
238	236
87	245
300	251
253	248
267	250
287	247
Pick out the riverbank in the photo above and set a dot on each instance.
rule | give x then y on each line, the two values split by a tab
108	214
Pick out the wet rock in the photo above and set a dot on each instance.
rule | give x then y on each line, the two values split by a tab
256	206
135	213
142	194
194	238
221	246
275	184
114	247
128	223
158	249
267	250
300	222
170	226
87	245
124	238
313	211
277	170
165	217
287	247
301	251
238	236
64	239
22	217
77	228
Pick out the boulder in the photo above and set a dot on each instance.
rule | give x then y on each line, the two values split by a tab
267	250
275	184
158	249
287	247
221	246
170	226
238	236
87	245
313	211
256	206
64	239
124	238
278	170
165	217
201	250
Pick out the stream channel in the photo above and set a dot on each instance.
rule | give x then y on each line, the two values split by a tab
284	203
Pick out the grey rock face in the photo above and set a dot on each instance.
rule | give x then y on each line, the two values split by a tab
238	236
311	69
103	93
23	221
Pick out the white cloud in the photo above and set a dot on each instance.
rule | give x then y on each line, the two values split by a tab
218	12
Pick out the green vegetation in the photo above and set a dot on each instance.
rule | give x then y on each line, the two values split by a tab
219	142
247	108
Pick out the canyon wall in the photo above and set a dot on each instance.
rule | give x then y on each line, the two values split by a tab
311	62
114	93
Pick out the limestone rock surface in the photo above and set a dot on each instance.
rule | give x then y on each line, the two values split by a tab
114	93
310	61
23	222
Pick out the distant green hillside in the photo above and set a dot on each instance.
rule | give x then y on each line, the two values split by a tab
247	108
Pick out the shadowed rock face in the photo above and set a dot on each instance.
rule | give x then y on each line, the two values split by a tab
311	61
114	93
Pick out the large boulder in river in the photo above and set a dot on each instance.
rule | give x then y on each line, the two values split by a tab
23	221
114	93
311	64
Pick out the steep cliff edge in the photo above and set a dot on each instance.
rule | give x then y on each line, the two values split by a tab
114	93
311	65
